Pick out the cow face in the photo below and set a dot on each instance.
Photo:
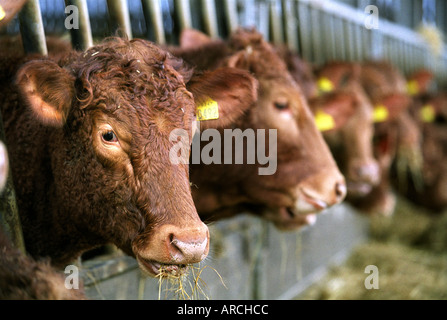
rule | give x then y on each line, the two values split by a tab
307	180
112	110
351	138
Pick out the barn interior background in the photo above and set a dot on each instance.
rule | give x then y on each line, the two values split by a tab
250	259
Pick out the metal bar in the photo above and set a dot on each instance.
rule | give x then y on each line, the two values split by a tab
317	34
9	213
275	23
81	37
152	12
210	18
231	15
328	37
290	24
31	28
304	30
184	13
119	15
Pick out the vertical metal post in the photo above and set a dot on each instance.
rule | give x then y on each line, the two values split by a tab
290	24
276	23
81	38
304	29
152	12
9	213
184	10
231	15
317	36
119	14
210	18
31	28
330	37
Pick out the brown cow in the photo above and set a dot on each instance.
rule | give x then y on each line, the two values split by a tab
307	179
350	139
21	277
397	136
385	94
429	111
301	71
89	142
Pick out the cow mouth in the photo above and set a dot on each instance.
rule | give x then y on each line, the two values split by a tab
359	189
158	269
307	204
291	219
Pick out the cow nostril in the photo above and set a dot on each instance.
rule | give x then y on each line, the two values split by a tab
340	190
187	252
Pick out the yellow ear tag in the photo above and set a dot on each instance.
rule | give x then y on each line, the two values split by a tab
209	110
324	121
412	87
427	113
325	85
380	113
2	13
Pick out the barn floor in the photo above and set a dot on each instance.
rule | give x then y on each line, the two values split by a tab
410	252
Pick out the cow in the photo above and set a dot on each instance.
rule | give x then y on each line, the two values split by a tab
22	277
301	70
383	89
351	134
89	142
397	138
306	180
429	111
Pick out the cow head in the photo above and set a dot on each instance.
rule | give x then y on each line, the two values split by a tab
307	179
419	83
351	137
112	109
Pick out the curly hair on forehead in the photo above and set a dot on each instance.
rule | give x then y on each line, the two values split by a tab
136	66
257	54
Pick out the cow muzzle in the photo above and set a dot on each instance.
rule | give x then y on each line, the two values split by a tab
320	193
172	248
362	177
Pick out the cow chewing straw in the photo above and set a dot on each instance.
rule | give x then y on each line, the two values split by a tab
185	284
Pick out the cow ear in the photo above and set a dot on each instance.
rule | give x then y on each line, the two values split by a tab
333	111
394	104
238	60
229	91
191	39
48	89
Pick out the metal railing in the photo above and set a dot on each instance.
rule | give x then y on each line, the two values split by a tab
320	30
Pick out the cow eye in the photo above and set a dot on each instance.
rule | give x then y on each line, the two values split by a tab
109	136
281	105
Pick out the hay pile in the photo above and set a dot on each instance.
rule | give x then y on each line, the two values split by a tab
410	252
